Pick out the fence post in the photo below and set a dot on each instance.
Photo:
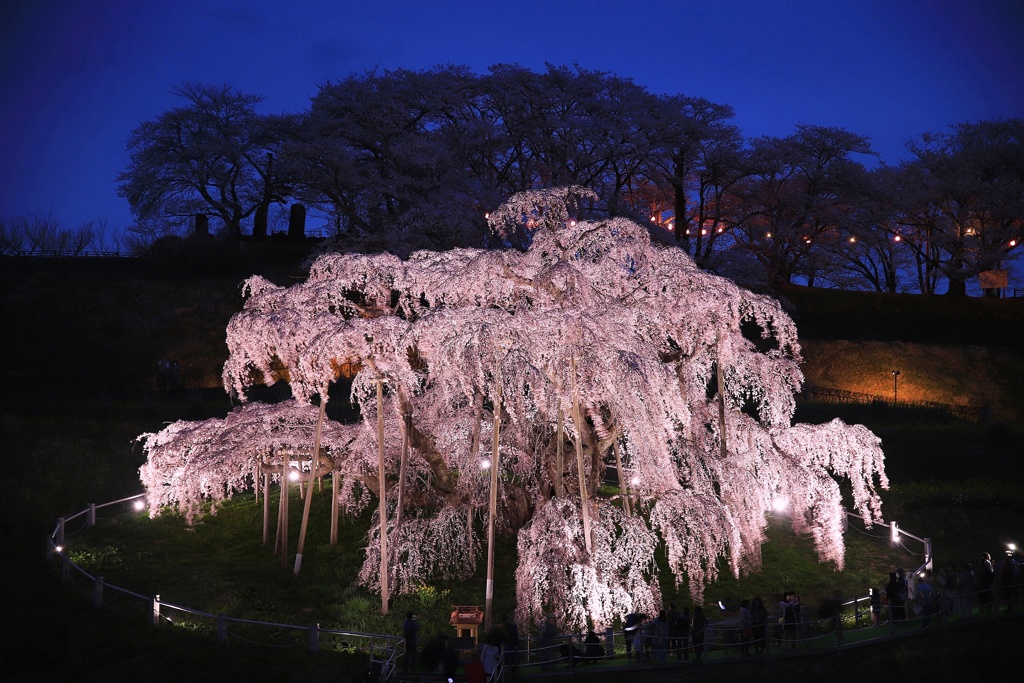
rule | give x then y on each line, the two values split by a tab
839	632
156	610
97	592
60	531
222	629
314	638
609	643
92	514
65	568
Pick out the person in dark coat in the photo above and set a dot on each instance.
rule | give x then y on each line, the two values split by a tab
683	628
759	618
410	631
511	641
698	628
592	648
634	621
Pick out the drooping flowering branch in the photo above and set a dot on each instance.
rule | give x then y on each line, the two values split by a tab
664	363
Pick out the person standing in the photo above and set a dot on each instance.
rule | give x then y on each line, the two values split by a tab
986	578
968	585
759	618
489	655
511	641
925	596
698	629
787	606
474	669
673	627
593	651
633	624
951	590
1008	583
410	631
875	602
892	595
683	629
660	634
746	628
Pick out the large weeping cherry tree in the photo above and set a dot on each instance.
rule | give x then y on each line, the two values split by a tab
592	348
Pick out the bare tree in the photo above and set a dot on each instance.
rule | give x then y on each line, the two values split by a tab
208	156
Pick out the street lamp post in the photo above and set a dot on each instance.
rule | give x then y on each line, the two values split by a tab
895	385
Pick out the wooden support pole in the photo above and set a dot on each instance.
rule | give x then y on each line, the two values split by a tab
578	421
285	486
406	429
559	454
335	491
383	501
493	508
314	465
721	396
266	506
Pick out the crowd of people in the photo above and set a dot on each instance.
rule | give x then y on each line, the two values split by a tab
682	633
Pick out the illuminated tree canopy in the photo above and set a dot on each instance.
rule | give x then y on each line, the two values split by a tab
591	347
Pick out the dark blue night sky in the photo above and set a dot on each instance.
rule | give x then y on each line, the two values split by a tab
79	75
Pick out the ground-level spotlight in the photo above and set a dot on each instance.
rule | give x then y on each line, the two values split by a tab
780	503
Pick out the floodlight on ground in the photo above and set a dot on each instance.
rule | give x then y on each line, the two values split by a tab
293	475
139	504
634	481
780	503
485	464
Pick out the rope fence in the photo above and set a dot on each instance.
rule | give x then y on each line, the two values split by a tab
856	622
381	651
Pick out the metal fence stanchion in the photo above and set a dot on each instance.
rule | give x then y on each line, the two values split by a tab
97	592
156	610
314	638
